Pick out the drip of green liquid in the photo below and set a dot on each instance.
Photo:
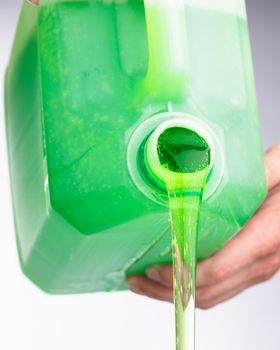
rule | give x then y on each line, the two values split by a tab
185	158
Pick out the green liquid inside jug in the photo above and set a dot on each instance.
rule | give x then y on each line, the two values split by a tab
185	157
83	79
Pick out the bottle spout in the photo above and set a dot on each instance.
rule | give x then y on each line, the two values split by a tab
143	160
188	133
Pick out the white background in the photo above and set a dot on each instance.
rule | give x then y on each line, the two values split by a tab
31	320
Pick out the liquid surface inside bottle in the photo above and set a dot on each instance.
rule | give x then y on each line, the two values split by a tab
185	158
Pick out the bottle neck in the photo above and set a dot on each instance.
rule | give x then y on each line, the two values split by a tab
179	136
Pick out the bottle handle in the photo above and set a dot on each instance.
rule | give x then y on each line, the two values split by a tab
167	74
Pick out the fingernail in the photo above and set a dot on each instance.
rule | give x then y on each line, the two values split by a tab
153	274
135	289
133	286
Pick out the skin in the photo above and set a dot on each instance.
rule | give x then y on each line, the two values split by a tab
252	257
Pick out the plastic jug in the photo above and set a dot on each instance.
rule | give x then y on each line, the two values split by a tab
87	85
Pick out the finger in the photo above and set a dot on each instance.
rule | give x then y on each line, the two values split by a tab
162	274
259	272
272	165
257	240
144	286
207	304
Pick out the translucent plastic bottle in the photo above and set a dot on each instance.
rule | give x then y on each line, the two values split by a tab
87	84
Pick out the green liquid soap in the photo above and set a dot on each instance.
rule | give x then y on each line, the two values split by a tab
185	157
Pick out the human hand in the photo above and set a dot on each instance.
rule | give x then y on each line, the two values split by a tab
252	257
